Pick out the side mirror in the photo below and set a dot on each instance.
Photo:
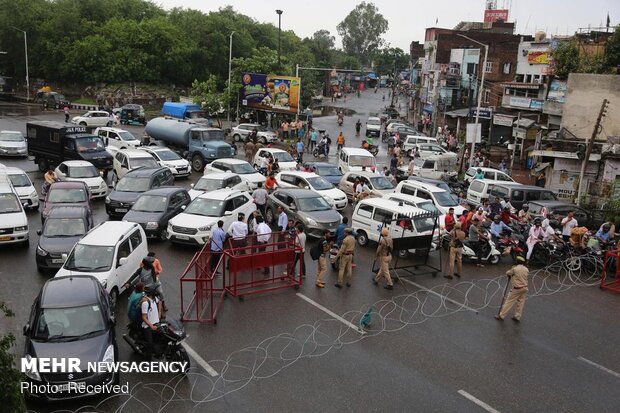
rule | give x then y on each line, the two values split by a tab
64	257
292	207
183	207
26	329
39	232
122	261
227	213
191	185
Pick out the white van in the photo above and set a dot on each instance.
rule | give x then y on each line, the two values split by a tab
111	252
425	204
479	190
489	173
14	223
127	159
371	214
411	141
442	199
117	138
354	159
433	167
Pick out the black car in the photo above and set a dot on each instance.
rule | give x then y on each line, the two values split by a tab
71	317
329	171
64	226
557	210
154	208
132	185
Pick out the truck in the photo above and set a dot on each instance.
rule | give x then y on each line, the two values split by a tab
195	142
51	143
183	110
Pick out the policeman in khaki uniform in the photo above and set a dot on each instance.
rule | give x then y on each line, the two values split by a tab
346	258
518	276
384	255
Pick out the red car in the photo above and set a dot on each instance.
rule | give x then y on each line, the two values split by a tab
66	194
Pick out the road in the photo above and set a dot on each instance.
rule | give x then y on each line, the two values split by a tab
433	344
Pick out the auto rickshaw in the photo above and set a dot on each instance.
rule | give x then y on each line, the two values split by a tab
132	114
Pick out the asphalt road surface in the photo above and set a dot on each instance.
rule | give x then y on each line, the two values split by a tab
433	344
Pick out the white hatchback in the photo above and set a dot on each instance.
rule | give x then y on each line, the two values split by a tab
83	171
308	180
285	160
170	159
23	187
214	181
240	167
94	118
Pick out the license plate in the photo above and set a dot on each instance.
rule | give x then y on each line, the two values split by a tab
65	387
57	261
121	209
183	237
5	238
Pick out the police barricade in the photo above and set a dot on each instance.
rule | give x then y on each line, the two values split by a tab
611	269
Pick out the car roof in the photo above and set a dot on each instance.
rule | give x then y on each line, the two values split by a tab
424	185
162	190
553	203
521	186
394	205
111	129
108	233
484	169
60	211
301	174
321	164
411	198
11	131
231	160
368	174
490	181
374	118
248	124
298	192
219	175
77	163
142	172
135	153
72	291
356	151
221	194
67	185
12	170
273	150
154	148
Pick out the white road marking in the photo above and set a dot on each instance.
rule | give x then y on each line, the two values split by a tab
598	366
331	313
443	297
477	401
192	353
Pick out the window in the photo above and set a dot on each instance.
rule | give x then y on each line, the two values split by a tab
177	199
351	178
476	186
63	168
239	201
503	177
136	239
407	190
489	175
102	133
381	215
234	180
281	197
424	194
69	144
119	157
506	68
123	250
428	164
517	195
195	135
365	211
488	68
288	179
486	95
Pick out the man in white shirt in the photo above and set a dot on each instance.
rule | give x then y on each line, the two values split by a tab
506	204
300	242
260	198
150	318
238	230
568	224
263	235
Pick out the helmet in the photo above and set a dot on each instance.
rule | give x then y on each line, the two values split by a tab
606	227
537	221
151	289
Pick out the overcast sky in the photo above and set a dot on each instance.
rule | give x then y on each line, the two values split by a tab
408	18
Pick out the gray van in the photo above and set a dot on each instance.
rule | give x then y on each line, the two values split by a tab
521	194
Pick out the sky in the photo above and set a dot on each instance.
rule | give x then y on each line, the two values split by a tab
408	19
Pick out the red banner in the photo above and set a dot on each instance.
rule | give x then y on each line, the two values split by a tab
491	16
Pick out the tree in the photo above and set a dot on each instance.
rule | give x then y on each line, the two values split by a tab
11	398
566	59
612	52
361	31
391	59
205	93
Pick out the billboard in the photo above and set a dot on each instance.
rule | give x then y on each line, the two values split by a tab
538	58
270	92
491	16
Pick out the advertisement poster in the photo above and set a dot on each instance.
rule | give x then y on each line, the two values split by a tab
557	91
538	58
270	92
491	16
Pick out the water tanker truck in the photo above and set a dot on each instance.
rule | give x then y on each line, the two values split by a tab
195	142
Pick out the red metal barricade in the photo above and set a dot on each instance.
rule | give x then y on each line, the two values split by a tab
254	267
611	264
203	302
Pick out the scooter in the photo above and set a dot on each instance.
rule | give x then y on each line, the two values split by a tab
490	254
319	151
167	341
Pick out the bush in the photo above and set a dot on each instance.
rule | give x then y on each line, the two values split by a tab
11	398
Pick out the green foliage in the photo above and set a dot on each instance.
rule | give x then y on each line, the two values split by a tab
566	59
361	31
612	51
11	398
205	93
389	60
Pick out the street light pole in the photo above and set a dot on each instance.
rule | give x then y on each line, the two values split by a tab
279	35
480	90
229	70
26	54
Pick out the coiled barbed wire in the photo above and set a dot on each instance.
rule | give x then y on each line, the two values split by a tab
274	354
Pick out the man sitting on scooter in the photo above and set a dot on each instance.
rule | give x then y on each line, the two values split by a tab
476	239
150	318
497	227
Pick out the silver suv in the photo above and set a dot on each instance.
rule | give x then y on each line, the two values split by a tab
243	130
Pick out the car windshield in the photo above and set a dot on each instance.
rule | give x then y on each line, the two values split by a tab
11	137
168	155
9	204
320	184
90	258
89	144
361	160
64	227
374	122
206	184
145	162
445	199
547	196
429	206
282	157
20	180
424	224
66	195
83	172
313	204
213	135
328	171
132	184
69	324
243	168
127	136
150	203
381	182
206	207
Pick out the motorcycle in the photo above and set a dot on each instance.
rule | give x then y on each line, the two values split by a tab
319	151
340	121
385	136
455	185
513	245
489	252
167	341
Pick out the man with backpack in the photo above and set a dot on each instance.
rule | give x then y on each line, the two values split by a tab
150	318
134	312
317	253
384	255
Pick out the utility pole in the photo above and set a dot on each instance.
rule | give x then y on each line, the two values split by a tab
229	70
437	90
584	162
279	36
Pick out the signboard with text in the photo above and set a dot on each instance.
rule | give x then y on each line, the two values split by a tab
503	120
474	133
485	113
538	58
491	16
270	92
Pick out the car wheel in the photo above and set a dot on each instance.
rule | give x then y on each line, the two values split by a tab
198	164
113	298
83	124
110	123
237	137
269	215
402	253
362	238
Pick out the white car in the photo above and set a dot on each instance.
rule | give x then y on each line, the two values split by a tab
127	159
167	157
12	143
425	204
489	173
240	167
241	133
83	171
94	118
373	126
214	181
23	186
194	225
117	138
14	223
391	128
285	160
307	180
